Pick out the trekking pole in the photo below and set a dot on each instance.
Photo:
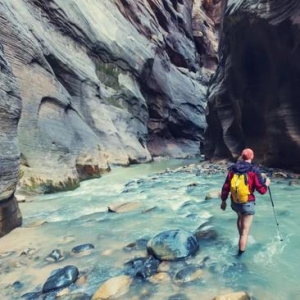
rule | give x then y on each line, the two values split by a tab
278	232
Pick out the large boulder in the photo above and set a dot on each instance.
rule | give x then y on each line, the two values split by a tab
253	99
10	111
173	245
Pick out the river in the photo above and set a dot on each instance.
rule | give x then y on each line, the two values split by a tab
172	200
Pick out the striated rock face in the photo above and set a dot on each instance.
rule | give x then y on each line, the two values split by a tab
253	100
10	110
107	82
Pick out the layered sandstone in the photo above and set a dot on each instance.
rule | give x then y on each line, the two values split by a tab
253	100
10	110
107	83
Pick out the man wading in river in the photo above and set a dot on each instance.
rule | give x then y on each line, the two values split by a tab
242	180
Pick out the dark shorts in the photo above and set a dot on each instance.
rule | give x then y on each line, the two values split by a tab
244	209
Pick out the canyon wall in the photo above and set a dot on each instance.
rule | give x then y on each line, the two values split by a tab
254	95
107	83
10	111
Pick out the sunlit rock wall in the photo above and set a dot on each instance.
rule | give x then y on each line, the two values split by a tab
254	97
107	82
10	111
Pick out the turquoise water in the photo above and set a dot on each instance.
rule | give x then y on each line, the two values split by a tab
174	200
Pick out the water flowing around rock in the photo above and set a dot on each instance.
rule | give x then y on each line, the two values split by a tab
173	245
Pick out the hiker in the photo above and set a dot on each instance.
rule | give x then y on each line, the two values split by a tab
242	180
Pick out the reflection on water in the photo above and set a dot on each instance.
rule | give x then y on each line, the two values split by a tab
168	200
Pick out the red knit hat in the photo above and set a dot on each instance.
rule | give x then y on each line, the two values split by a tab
247	154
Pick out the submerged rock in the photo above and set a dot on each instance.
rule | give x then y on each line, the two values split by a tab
17	285
179	296
142	267
36	223
140	244
173	245
7	253
32	296
206	234
160	277
28	252
75	296
61	278
123	207
113	288
188	274
234	296
82	248
213	195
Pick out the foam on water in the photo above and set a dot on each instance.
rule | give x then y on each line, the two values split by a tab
271	251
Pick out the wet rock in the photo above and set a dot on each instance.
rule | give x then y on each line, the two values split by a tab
191	185
164	266
130	183
234	296
83	248
179	297
192	216
10	214
140	244
188	204
37	223
20	198
113	288
61	278
62	293
17	285
160	277
202	264
28	252
281	175
55	256
32	296
123	207
142	267
75	296
5	254
188	274
294	182
213	195
148	210
173	245
81	280
206	234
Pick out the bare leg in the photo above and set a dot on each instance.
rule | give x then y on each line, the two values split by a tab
239	223
245	222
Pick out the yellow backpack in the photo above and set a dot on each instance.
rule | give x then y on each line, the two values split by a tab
239	188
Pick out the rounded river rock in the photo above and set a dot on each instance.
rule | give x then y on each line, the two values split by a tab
173	245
